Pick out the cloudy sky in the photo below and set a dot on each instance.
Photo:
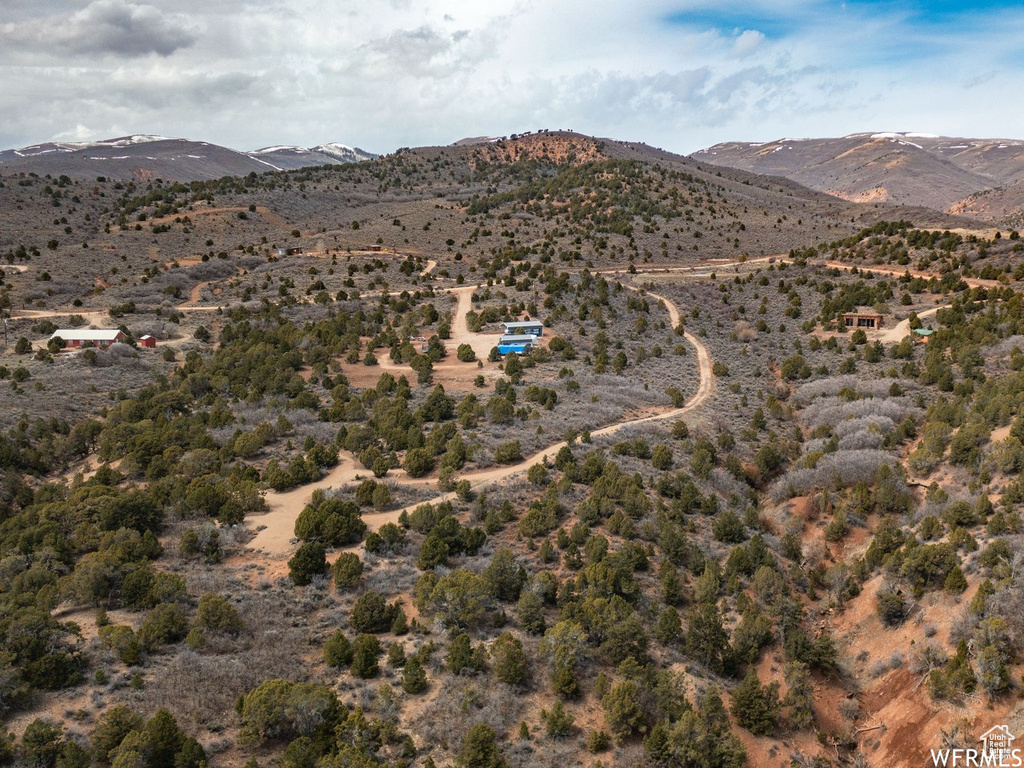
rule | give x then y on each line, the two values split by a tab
380	74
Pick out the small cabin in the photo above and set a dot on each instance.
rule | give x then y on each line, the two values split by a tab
147	341
862	317
75	338
524	327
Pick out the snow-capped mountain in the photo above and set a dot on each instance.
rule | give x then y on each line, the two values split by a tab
344	152
288	157
906	167
75	146
147	156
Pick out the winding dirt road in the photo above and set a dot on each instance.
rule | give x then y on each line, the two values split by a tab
277	526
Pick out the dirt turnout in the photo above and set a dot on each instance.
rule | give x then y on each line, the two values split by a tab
482	343
276	529
896	334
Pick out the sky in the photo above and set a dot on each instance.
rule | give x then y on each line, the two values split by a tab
381	74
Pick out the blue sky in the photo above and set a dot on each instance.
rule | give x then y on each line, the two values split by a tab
679	74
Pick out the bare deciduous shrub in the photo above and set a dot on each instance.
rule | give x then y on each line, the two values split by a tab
845	467
495	704
831	386
832	411
878	669
859	441
744	331
849	708
882	424
927	657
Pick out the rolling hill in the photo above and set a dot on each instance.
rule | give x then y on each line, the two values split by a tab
947	174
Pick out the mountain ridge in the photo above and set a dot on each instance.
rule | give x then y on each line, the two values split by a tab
145	156
950	174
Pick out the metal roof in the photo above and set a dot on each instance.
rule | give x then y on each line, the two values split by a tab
518	338
86	334
523	324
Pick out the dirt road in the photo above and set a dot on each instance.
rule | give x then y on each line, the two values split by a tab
193	296
279	523
266	213
91	316
899	331
98	317
482	343
973	282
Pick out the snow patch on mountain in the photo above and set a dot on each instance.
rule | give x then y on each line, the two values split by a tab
279	148
344	152
906	135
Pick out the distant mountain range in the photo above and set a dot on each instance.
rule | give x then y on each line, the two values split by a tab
148	157
981	178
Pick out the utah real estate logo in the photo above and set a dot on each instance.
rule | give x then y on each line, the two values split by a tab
997	751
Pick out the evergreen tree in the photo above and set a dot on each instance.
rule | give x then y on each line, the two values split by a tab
414	677
347	569
669	629
564	681
671	586
338	651
754	706
41	744
800	696
509	659
162	740
530	613
480	749
365	651
460	655
309	560
558	722
706	638
623	710
371	614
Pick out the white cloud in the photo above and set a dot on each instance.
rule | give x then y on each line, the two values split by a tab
380	75
747	42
